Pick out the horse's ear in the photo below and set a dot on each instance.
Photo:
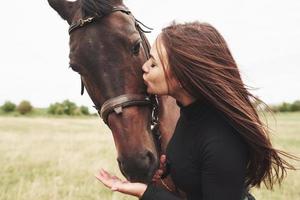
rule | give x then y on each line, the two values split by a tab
64	8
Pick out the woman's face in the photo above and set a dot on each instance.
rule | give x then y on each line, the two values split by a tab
154	74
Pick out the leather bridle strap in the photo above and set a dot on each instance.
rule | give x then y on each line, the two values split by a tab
117	104
82	22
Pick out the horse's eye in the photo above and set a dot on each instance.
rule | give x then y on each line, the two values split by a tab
136	48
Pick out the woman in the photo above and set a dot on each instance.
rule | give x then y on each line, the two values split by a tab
220	148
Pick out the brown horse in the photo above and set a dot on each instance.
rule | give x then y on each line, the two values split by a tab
108	49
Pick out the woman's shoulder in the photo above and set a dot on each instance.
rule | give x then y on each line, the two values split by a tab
216	130
214	124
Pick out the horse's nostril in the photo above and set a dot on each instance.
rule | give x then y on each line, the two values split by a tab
149	157
121	166
119	162
139	167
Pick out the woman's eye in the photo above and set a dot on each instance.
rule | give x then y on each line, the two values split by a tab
136	48
153	65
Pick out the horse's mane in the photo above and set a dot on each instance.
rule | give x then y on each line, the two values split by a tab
91	8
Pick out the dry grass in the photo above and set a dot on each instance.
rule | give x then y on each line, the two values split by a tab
46	158
42	158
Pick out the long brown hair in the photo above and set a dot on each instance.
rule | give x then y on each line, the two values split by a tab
199	58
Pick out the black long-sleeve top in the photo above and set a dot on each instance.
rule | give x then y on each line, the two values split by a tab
206	156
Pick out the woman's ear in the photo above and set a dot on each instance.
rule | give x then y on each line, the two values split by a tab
64	8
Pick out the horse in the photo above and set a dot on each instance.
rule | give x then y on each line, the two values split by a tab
108	48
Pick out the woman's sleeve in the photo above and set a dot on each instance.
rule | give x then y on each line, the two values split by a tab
223	168
154	192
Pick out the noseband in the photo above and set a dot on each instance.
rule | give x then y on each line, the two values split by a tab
116	104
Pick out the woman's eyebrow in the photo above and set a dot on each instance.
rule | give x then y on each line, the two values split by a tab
152	57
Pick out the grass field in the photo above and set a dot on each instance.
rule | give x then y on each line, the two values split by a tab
56	159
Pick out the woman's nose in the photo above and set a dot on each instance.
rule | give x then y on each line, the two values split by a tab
145	67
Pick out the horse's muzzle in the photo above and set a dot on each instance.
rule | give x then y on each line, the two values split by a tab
140	167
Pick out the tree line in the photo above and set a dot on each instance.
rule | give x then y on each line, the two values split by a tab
68	107
65	107
287	107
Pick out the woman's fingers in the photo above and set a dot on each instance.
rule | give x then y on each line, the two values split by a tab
116	184
157	175
159	172
162	161
103	178
163	158
107	179
106	173
162	167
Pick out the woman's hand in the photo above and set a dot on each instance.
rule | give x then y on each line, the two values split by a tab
116	184
162	169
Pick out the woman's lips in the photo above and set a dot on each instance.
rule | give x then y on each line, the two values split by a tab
144	78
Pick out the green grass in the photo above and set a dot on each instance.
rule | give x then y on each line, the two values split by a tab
285	136
44	158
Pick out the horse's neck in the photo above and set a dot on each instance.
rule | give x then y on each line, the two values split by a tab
168	117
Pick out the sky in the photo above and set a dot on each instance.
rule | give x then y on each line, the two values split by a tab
263	36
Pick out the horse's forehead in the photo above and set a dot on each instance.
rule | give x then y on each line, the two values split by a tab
94	38
121	20
77	15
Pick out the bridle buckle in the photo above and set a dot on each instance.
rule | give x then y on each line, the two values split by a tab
82	22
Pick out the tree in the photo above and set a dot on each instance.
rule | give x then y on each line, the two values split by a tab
69	107
84	110
24	107
285	107
56	109
8	106
295	106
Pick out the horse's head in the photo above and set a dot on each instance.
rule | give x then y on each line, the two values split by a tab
108	50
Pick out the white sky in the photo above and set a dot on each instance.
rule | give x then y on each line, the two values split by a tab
263	35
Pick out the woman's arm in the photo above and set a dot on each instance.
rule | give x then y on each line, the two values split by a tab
140	190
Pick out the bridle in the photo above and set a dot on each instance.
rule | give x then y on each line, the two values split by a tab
116	104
